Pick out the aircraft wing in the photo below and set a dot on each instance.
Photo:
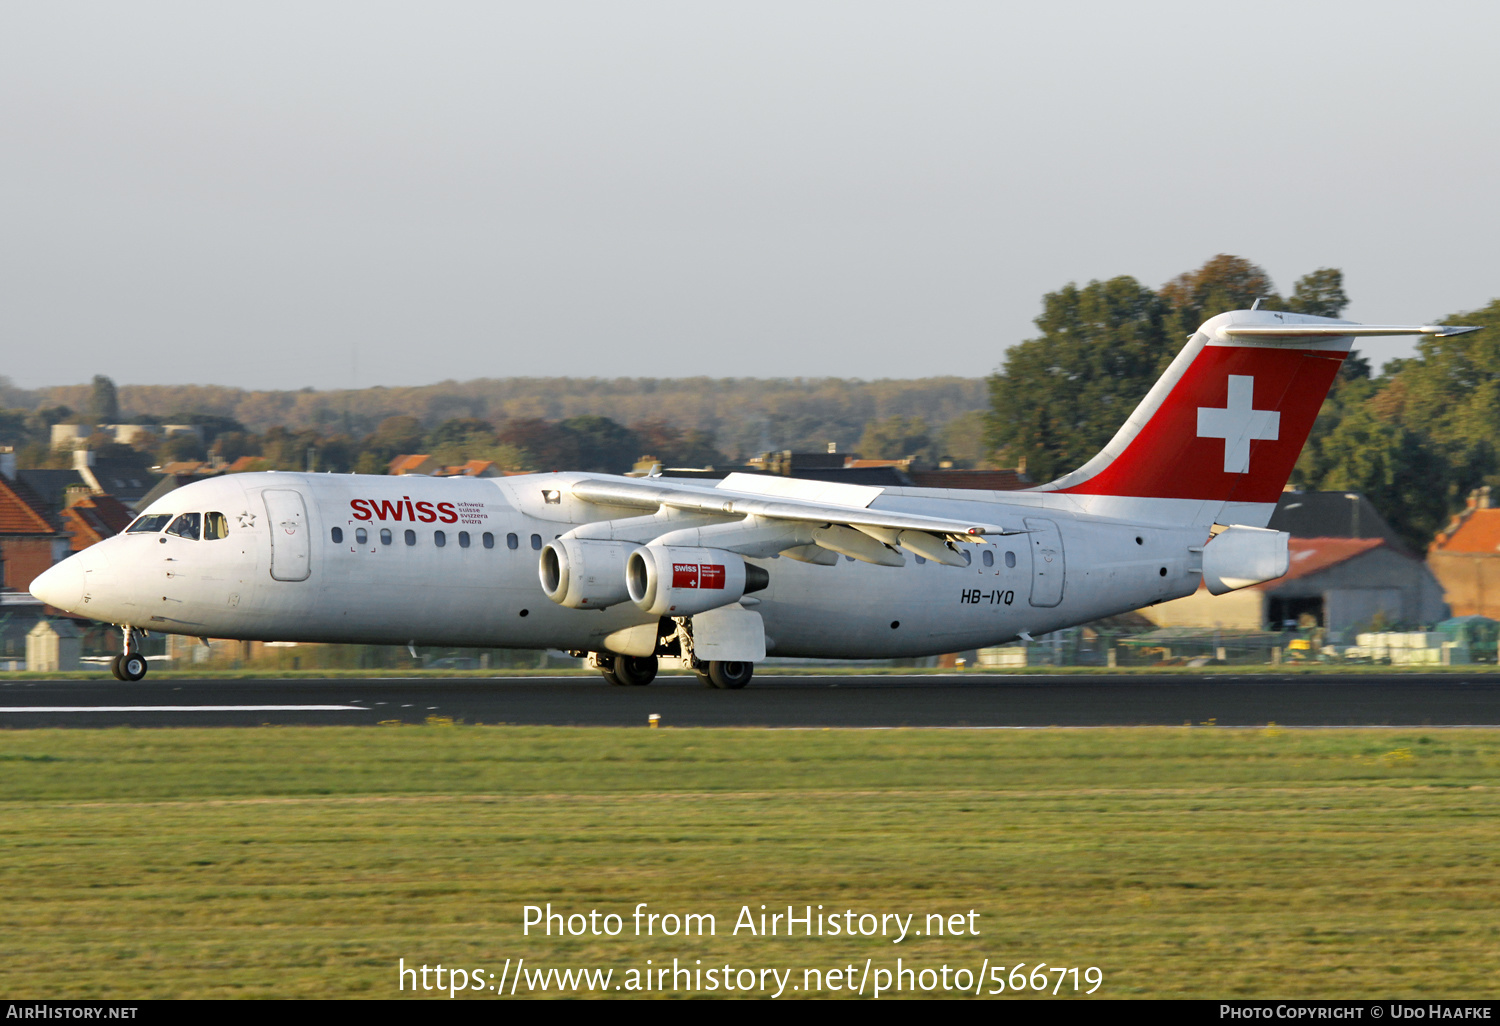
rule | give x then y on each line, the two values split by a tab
653	493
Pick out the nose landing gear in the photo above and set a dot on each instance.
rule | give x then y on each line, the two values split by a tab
130	664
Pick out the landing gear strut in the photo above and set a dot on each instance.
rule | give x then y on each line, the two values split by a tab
130	664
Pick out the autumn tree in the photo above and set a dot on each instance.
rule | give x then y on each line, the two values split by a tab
104	401
1059	397
674	447
1398	470
588	443
1450	393
897	437
1320	293
1222	284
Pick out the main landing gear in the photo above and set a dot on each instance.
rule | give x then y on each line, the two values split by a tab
674	640
129	664
627	671
726	674
634	671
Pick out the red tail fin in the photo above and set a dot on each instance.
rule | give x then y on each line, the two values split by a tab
1228	419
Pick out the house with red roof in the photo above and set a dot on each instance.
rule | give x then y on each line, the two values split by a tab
247	464
473	468
30	541
94	518
418	463
1466	558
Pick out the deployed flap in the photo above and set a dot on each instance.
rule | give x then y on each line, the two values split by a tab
729	634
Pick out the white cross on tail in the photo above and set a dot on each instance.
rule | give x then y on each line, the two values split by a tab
1238	423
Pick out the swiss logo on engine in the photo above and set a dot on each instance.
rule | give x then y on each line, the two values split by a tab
698	575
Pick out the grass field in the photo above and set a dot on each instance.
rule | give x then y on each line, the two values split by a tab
1186	862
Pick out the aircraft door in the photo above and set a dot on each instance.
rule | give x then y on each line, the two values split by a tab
291	544
1047	567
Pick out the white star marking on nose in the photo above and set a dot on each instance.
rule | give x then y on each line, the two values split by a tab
1238	423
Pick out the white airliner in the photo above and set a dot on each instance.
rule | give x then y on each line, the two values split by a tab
636	572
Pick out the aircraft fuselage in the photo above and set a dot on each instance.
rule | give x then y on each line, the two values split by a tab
454	561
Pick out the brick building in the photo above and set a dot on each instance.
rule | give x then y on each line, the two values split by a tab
1466	558
30	540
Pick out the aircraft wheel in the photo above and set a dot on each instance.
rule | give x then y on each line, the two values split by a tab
609	675
706	680
133	666
635	670
114	667
730	674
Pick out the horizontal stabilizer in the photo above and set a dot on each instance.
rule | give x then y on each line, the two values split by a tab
1296	331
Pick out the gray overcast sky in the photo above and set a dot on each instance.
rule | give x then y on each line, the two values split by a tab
253	193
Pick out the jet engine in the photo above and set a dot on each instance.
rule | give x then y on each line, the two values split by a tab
670	580
584	574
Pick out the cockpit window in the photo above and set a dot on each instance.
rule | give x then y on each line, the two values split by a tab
186	526
149	524
215	526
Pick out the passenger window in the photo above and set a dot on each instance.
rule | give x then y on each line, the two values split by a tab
186	526
988	557
489	540
361	535
411	537
463	539
151	523
536	542
215	526
439	539
511	541
968	557
920	561
385	536
338	535
1010	559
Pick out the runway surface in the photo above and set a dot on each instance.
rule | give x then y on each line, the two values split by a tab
968	700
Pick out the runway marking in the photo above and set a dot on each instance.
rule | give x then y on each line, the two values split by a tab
177	708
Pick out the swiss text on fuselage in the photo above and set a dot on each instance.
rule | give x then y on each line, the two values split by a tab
404	509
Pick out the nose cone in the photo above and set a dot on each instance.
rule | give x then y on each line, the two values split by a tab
62	585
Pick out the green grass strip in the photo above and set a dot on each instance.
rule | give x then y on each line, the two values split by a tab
1184	862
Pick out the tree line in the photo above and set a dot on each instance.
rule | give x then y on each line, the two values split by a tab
588	442
744	415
